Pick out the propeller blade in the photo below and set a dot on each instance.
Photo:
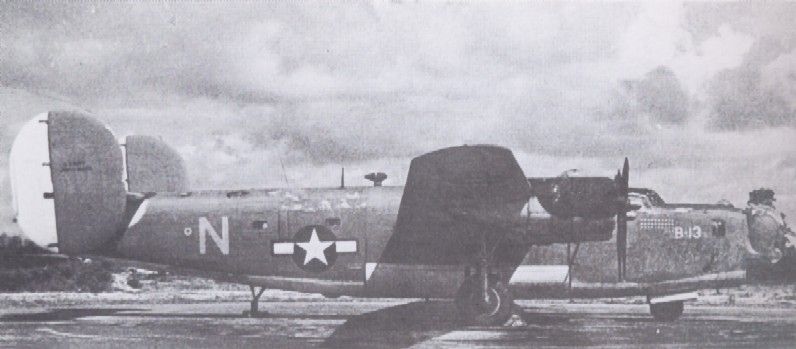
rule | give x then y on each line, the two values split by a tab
622	181
621	244
626	175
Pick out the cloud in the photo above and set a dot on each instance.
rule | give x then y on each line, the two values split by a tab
740	102
758	94
659	97
779	77
245	89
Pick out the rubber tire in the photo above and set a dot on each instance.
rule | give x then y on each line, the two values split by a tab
473	314
667	312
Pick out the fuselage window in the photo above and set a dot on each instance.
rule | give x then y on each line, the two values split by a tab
332	221
718	228
260	224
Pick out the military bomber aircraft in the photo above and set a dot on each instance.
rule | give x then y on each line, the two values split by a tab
462	227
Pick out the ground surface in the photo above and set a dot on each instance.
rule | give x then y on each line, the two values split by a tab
56	320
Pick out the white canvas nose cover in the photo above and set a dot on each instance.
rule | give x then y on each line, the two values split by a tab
30	180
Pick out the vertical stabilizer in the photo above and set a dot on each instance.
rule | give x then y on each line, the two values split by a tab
153	166
68	182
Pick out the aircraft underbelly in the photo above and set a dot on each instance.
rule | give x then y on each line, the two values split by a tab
414	280
579	289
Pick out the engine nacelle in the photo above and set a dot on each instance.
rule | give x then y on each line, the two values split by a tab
587	197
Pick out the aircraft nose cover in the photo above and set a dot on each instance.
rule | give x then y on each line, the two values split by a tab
153	166
452	195
765	233
35	214
88	188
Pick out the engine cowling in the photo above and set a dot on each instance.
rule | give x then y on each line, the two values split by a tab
587	197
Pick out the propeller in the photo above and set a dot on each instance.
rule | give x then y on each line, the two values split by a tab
622	180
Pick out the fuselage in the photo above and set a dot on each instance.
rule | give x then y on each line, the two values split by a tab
234	231
238	232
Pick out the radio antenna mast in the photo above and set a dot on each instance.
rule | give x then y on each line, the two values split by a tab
284	173
342	178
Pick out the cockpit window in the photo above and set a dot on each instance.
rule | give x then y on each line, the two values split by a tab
638	200
652	197
655	199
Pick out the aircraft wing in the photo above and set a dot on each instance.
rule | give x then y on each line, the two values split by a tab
456	202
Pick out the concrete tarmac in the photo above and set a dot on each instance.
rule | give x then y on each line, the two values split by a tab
347	323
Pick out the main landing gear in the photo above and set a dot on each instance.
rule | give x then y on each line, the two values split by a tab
483	299
254	310
667	312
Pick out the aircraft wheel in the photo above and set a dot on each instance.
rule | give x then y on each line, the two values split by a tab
668	311
495	310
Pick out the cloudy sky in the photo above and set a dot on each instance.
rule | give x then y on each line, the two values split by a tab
701	97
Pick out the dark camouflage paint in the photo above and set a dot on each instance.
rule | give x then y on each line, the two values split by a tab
366	214
86	167
655	254
475	191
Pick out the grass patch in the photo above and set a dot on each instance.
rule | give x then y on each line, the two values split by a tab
25	267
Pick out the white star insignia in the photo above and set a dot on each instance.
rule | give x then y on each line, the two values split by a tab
315	248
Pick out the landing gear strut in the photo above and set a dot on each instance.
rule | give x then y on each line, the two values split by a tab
255	302
483	299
